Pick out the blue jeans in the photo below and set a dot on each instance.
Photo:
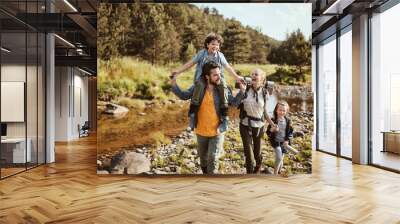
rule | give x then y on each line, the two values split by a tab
209	150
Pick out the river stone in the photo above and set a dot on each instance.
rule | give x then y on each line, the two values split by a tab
117	171
172	146
298	134
181	141
106	163
160	172
117	111
191	165
171	168
102	172
132	162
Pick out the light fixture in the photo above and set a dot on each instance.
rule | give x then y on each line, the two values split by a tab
5	50
65	41
337	7
84	71
70	5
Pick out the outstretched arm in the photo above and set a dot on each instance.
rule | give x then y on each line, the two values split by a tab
236	100
181	94
233	73
184	67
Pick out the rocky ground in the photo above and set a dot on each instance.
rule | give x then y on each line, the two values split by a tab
179	155
303	92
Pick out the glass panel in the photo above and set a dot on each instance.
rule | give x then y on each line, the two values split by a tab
385	84
31	98
346	94
41	99
327	96
23	87
13	87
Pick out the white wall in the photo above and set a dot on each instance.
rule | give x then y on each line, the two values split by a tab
71	87
62	81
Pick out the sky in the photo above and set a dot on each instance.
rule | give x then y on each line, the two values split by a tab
274	19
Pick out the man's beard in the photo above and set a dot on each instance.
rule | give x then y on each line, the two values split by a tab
216	82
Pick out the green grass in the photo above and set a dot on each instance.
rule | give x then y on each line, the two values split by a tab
159	138
130	78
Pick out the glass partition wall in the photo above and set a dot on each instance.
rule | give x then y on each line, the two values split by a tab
346	72
334	90
385	90
334	97
22	88
327	96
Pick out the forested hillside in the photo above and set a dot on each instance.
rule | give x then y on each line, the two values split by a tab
165	33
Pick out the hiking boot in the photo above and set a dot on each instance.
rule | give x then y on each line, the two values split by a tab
204	169
257	169
249	171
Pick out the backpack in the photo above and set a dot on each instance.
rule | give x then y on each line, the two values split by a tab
242	112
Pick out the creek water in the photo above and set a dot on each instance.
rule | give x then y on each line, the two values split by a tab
296	104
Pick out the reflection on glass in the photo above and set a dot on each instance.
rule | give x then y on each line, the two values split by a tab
23	85
31	100
346	94
385	84
14	151
41	99
327	96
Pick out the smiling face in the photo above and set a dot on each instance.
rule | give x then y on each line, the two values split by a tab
215	76
281	110
257	78
213	47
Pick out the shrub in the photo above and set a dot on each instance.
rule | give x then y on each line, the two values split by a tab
160	139
288	76
131	103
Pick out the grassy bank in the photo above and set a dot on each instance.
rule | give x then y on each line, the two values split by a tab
125	78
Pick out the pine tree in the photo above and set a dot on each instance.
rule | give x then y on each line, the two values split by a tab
104	39
163	33
172	45
114	26
297	50
189	52
188	38
121	25
236	44
259	49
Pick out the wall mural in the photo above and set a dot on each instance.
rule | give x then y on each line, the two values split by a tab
204	89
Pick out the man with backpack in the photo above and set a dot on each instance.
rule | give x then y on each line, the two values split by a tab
209	121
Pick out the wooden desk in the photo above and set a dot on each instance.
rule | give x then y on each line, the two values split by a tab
391	141
13	150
